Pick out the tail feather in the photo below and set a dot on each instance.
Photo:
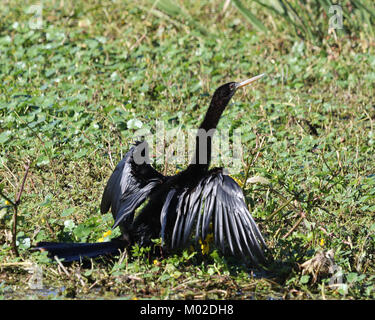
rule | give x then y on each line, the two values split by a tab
78	251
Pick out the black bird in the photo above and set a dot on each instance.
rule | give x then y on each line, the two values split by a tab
174	206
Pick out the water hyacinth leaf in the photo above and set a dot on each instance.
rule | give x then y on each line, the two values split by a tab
5	136
67	212
69	225
42	161
134	124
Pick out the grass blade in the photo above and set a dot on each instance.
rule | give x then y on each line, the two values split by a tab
170	8
249	16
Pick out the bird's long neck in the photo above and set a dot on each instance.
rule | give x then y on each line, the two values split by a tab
213	114
203	147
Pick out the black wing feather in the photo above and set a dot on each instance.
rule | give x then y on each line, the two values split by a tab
180	220
227	229
164	211
216	199
194	208
129	186
219	235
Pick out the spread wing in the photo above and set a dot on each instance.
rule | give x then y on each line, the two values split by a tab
216	200
130	184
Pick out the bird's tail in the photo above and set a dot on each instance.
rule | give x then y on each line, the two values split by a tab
78	251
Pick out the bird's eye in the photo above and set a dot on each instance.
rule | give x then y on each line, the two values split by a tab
231	86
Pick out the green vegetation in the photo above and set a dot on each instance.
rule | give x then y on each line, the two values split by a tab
77	83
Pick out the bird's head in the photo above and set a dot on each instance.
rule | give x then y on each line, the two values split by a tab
220	100
225	92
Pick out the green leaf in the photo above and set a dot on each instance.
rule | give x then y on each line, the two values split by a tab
134	124
5	136
67	212
42	161
69	225
304	279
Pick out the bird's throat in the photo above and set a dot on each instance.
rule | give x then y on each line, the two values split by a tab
205	133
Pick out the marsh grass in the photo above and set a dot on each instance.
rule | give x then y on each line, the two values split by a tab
69	89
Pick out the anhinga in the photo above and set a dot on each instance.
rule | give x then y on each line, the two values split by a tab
196	198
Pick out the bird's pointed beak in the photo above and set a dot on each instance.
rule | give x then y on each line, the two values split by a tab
248	81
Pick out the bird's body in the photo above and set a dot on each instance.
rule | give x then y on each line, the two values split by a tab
183	206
